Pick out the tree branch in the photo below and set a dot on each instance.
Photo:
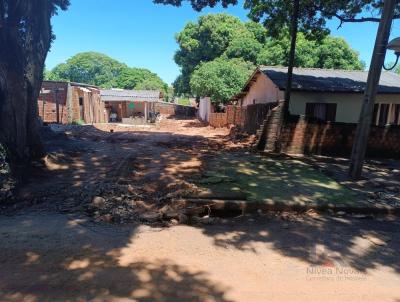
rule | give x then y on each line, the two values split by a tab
360	20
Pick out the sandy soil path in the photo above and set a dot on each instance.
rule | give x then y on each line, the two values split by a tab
54	257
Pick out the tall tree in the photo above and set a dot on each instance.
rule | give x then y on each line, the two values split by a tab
220	79
89	68
329	52
101	70
205	41
25	39
225	36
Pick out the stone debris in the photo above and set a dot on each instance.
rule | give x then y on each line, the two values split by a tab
377	239
389	196
150	217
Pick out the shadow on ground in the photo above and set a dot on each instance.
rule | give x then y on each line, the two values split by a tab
74	261
81	264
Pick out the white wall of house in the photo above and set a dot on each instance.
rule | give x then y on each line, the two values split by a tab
348	104
262	91
205	109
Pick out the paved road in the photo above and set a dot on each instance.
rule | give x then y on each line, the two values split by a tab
47	256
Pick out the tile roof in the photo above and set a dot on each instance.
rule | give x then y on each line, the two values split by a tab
330	80
117	95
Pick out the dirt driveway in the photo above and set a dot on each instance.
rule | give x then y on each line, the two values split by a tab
54	249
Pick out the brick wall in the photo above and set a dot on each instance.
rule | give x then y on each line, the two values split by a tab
172	109
218	120
47	105
92	106
309	137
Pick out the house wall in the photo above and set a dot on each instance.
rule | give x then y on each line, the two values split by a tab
262	91
47	105
139	108
205	109
93	110
348	104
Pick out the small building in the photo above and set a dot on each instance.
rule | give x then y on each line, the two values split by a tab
324	94
68	102
130	106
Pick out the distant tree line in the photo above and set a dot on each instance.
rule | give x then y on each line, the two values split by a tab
101	70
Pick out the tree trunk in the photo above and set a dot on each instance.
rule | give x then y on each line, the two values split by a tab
19	129
292	54
289	80
25	37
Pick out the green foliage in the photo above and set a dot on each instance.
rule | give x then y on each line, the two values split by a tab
78	122
277	14
396	70
141	79
90	68
245	47
330	52
103	71
184	102
204	41
223	36
220	79
214	36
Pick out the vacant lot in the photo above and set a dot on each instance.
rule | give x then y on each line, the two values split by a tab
143	169
58	245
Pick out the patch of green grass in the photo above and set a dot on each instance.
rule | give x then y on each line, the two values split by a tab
269	180
78	122
184	102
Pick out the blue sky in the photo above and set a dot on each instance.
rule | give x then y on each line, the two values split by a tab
141	34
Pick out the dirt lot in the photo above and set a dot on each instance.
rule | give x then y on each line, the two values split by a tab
92	225
117	162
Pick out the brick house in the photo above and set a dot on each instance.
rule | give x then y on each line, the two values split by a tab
68	102
324	94
324	110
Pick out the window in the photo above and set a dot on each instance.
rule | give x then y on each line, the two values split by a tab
321	111
80	101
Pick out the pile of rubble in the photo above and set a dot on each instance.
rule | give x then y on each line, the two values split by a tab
384	191
126	203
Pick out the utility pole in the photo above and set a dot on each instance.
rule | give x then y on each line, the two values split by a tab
377	61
